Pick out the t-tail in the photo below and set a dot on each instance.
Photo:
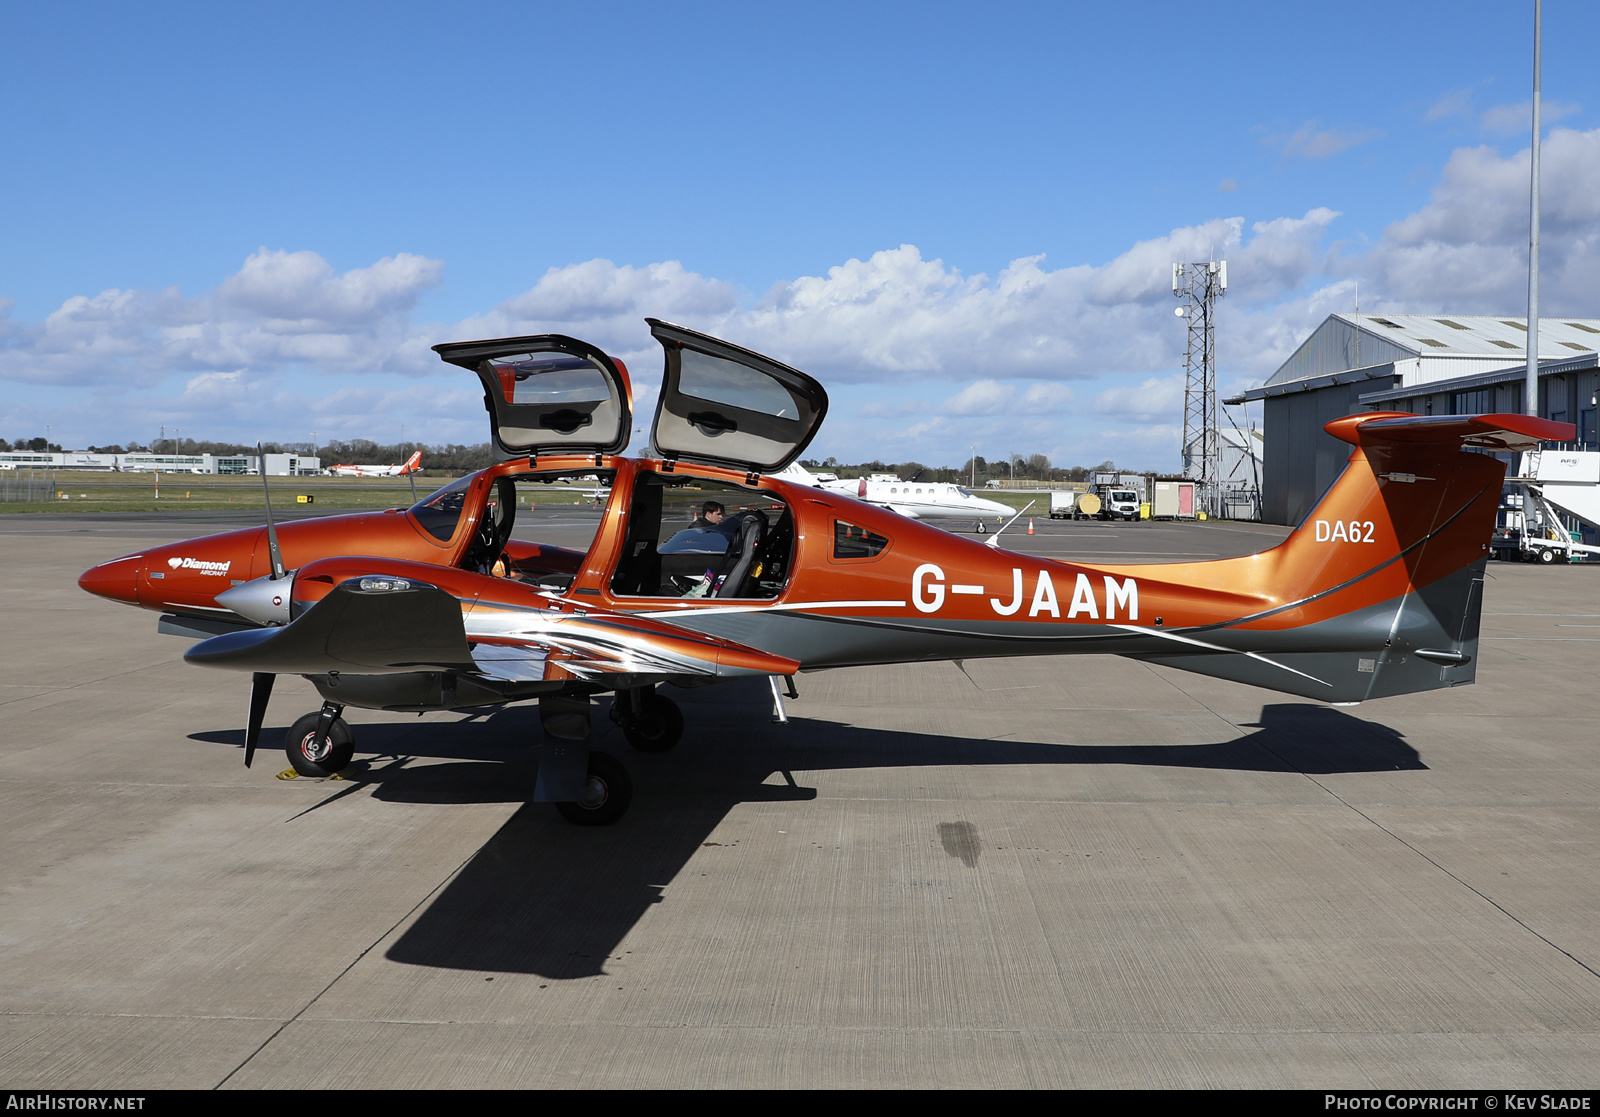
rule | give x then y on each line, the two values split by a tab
1379	590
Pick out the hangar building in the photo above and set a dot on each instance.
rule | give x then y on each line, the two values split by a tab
1422	363
278	465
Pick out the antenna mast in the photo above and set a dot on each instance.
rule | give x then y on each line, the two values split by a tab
1199	286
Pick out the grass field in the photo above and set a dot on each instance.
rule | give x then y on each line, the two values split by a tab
136	492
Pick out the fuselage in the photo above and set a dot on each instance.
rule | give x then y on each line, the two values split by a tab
919	588
861	584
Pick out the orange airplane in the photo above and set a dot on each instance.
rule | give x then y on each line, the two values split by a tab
436	607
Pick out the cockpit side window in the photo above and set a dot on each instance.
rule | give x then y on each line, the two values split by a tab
851	541
441	512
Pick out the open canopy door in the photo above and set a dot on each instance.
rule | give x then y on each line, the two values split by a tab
725	405
548	393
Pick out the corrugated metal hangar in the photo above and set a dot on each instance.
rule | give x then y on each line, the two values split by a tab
1425	364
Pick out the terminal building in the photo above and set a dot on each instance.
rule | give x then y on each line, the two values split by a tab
1420	363
278	465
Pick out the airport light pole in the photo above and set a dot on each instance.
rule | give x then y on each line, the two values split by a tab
1533	229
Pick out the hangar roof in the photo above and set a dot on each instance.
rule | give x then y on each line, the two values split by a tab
1350	341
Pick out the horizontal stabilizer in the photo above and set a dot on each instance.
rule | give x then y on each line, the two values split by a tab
391	626
1492	432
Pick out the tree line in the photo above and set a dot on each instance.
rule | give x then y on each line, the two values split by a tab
976	470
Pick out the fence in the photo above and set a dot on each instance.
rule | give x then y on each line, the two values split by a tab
26	486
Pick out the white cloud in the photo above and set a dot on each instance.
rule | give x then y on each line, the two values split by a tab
1044	398
879	409
982	397
1466	251
1156	398
1517	119
1312	141
1455	102
280	309
300	292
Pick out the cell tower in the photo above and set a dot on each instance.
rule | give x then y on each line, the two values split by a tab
1199	286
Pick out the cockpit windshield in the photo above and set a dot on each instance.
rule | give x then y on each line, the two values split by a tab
438	514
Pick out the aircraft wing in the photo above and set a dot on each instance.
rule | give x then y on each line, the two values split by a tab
908	513
383	625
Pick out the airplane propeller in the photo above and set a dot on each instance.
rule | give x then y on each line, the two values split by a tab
260	690
272	529
261	681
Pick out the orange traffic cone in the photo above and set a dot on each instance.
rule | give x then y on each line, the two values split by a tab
1030	526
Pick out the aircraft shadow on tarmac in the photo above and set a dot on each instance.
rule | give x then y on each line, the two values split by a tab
547	898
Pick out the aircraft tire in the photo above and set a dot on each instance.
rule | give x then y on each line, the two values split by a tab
611	791
339	746
657	727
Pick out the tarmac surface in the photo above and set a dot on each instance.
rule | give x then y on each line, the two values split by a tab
1068	872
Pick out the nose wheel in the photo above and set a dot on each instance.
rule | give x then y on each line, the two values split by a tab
320	744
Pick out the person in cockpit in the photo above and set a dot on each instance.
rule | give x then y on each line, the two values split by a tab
700	549
709	534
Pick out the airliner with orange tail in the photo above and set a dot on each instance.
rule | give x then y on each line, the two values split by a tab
437	607
411	465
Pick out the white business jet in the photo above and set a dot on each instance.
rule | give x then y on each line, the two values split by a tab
918	500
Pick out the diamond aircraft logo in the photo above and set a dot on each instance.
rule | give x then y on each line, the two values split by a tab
217	569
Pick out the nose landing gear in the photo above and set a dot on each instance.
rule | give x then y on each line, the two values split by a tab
320	744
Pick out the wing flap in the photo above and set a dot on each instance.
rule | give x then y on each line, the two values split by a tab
611	647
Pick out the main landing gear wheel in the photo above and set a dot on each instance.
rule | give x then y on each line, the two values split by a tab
656	727
311	757
606	793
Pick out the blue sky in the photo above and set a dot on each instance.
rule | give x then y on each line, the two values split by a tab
250	221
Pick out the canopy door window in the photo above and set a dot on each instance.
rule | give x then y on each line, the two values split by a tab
724	405
548	394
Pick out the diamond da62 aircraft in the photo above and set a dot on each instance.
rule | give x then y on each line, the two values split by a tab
436	607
